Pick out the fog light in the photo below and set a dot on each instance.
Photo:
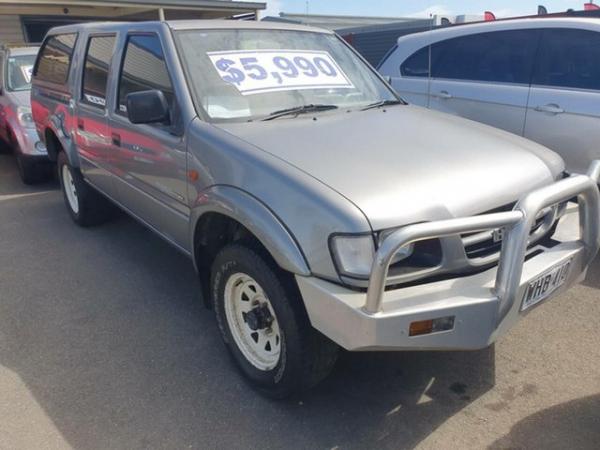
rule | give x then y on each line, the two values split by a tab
431	326
40	146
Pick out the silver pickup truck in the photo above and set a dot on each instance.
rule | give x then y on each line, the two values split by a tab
319	209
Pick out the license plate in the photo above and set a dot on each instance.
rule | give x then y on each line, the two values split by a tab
544	285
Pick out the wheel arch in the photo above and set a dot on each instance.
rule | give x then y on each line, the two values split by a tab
56	141
225	206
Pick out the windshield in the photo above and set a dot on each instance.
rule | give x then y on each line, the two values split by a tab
240	75
18	72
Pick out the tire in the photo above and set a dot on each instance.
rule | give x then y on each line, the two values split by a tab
296	356
29	173
86	206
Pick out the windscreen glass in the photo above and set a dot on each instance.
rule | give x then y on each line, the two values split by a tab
239	75
19	69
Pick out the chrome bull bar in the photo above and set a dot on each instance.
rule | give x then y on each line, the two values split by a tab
517	224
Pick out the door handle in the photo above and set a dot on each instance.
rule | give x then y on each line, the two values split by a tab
551	108
444	95
116	139
80	124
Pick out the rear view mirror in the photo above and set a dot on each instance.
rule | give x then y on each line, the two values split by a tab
147	107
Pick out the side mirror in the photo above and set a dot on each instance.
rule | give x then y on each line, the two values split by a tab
147	107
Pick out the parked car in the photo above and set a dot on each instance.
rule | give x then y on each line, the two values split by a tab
318	208
538	78
16	122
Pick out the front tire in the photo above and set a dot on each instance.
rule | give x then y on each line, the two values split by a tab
29	173
86	206
264	324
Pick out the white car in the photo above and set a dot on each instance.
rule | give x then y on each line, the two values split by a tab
538	78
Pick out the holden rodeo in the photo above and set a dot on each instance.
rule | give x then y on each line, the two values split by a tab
319	209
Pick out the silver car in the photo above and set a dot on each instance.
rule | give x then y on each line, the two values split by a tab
318	208
538	78
16	122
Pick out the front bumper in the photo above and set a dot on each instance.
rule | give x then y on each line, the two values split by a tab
485	305
30	144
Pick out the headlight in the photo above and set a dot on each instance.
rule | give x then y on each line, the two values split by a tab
353	254
25	117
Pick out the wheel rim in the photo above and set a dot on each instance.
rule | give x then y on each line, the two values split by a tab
69	187
252	321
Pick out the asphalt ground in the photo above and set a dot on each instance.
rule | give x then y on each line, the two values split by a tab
105	343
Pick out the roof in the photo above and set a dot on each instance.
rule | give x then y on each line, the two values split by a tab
22	51
212	4
233	24
190	25
505	24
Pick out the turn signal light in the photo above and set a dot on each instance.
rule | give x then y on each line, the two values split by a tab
431	326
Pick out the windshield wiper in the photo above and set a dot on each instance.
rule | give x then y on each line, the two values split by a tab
299	110
383	103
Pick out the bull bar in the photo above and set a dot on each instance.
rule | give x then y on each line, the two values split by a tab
484	305
517	223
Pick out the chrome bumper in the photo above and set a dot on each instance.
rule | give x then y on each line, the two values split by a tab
484	305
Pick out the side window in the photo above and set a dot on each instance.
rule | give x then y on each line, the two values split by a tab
500	56
144	68
417	65
95	72
55	59
569	58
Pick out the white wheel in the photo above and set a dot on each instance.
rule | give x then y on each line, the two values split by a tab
70	189
252	321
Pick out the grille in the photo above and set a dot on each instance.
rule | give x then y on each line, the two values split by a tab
488	243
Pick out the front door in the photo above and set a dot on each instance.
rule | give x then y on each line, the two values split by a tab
564	106
485	77
92	133
150	159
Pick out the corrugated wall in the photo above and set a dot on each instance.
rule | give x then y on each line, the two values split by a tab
10	29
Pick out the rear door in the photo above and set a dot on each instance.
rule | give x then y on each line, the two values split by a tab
150	159
92	133
564	106
485	77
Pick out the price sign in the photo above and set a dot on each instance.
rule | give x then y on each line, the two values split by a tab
260	71
27	71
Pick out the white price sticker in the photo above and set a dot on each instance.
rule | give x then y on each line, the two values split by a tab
260	71
27	72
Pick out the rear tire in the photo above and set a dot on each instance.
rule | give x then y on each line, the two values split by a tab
264	324
86	206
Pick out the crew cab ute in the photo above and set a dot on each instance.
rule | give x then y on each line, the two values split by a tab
318	208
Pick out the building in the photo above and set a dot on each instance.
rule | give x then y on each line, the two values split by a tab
29	20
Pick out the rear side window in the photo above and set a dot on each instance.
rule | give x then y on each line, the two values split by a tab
417	65
144	68
95	73
55	59
500	56
569	58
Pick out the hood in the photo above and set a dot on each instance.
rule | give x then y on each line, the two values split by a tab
20	98
407	164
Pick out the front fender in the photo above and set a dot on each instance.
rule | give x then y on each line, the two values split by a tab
257	218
